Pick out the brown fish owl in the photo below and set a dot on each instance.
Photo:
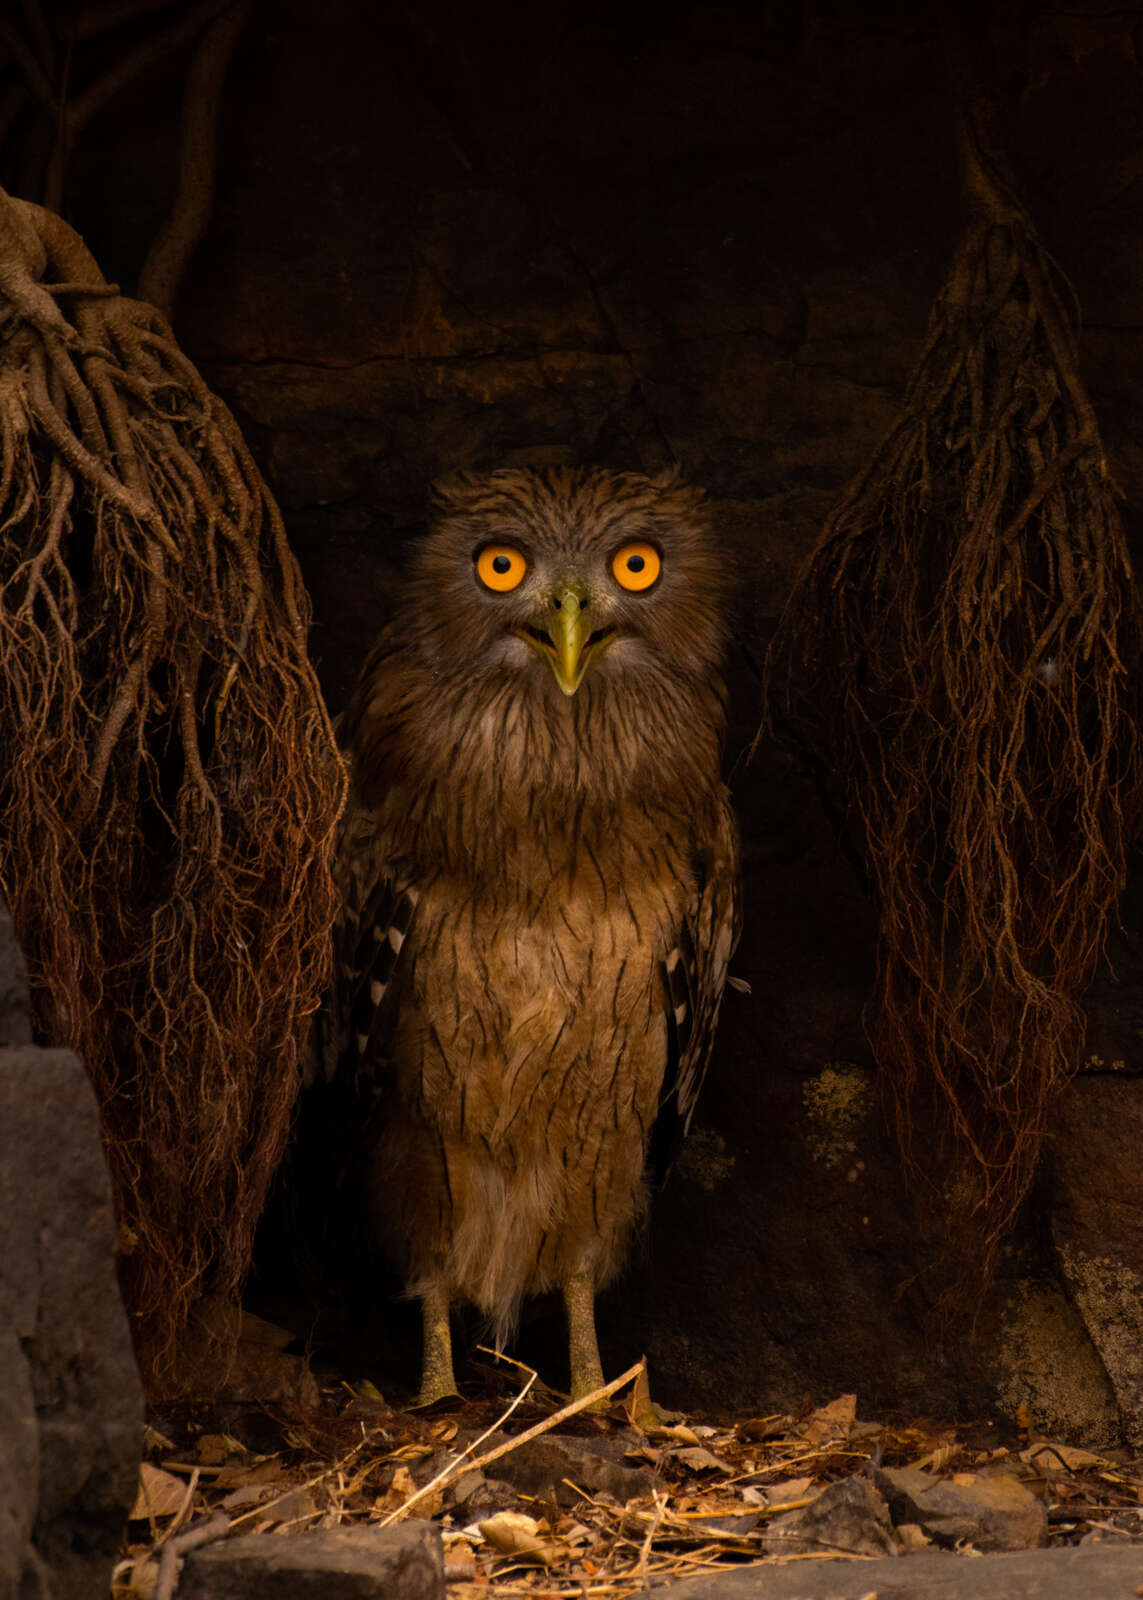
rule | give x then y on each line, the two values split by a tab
539	873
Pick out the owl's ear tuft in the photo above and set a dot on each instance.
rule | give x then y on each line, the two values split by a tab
666	477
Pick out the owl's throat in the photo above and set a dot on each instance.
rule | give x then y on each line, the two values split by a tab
565	641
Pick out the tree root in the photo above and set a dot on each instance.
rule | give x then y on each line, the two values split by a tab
169	780
961	654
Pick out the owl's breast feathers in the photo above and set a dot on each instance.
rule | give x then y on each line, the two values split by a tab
539	903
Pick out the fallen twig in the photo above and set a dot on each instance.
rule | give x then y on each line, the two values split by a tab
338	1466
480	1462
652	1530
208	1532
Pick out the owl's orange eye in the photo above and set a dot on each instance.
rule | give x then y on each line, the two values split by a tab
636	566
500	567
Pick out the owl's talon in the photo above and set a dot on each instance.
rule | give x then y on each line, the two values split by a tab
583	1347
430	1393
437	1380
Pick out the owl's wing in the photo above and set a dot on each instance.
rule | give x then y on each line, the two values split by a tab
377	909
322	1198
693	980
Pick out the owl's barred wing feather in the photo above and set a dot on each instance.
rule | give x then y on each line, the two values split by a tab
376	913
694	977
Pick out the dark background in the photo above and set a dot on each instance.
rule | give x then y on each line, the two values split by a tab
453	236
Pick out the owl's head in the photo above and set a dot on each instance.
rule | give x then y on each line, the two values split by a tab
569	574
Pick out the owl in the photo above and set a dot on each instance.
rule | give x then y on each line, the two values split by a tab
538	873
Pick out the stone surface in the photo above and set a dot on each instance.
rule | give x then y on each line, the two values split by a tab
1097	1224
849	1516
990	1512
540	1467
1095	1573
405	1562
70	1399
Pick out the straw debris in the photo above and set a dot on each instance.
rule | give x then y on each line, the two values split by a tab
336	1468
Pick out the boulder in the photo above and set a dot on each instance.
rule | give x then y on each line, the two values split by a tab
1100	1573
849	1517
989	1512
71	1406
541	1467
400	1563
1097	1222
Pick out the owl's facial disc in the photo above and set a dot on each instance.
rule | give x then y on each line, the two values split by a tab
564	638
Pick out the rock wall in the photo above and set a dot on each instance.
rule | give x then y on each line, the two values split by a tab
453	236
71	1407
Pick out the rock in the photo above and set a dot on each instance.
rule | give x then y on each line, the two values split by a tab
401	1563
1095	1571
485	1499
71	1410
1097	1225
849	1516
540	1467
463	1488
988	1512
1047	1367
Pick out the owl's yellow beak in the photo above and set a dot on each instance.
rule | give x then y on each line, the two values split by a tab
569	630
566	641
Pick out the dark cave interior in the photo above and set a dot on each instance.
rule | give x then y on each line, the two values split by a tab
447	237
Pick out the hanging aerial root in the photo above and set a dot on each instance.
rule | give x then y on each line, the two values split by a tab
960	661
169	781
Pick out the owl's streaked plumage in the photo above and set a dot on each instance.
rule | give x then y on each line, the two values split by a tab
538	871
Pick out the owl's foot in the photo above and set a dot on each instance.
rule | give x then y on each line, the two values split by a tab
583	1347
437	1380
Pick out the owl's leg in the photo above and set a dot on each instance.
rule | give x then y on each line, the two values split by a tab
437	1381
586	1371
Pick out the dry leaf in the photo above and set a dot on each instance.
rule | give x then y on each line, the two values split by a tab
1049	1457
444	1430
215	1448
410	1452
400	1489
698	1459
754	1429
160	1494
293	1507
514	1534
937	1460
831	1422
677	1435
154	1440
460	1562
401	1485
241	1476
781	1494
638	1406
911	1536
